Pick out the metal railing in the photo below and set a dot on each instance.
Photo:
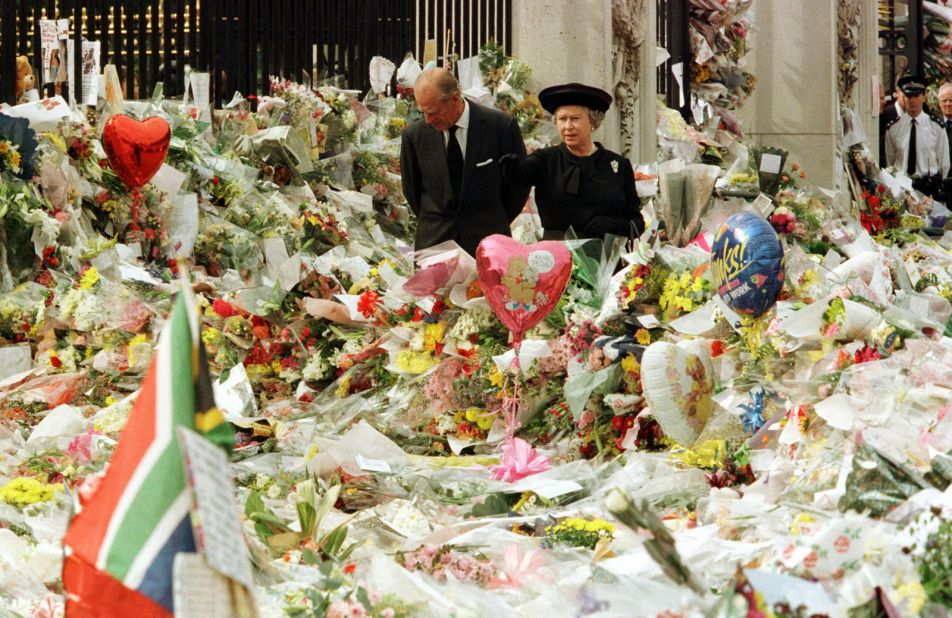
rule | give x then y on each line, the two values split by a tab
243	42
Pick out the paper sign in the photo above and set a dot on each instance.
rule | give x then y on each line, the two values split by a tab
770	163
372	465
183	224
215	519
53	37
14	359
198	590
544	487
457	445
763	205
649	321
777	588
131	272
200	84
89	61
169	180
677	70
429	52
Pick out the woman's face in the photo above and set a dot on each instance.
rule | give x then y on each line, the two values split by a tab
574	124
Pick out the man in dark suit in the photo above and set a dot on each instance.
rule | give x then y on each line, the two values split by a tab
449	162
945	119
888	115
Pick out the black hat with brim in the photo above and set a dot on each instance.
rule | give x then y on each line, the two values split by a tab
554	97
912	85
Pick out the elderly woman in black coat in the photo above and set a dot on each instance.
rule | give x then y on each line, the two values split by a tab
579	183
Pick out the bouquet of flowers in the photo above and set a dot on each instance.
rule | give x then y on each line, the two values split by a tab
718	34
341	121
684	292
221	245
444	561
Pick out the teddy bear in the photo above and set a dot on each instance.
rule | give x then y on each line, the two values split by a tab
520	279
25	79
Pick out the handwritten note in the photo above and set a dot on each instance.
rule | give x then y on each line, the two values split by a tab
198	590
215	518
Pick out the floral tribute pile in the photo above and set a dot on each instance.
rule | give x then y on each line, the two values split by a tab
366	384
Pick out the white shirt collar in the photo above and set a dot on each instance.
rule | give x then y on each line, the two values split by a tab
463	121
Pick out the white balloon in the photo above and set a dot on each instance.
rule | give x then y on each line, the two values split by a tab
678	384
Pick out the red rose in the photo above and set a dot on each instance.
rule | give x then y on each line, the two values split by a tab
367	303
842	544
811	560
223	308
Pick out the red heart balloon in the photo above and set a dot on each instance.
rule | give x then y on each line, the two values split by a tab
522	283
136	150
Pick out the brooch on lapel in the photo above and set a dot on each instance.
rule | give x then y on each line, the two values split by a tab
615	167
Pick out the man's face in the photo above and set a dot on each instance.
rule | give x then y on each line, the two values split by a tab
914	103
901	99
440	115
945	102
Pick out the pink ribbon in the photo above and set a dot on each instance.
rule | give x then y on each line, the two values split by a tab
519	460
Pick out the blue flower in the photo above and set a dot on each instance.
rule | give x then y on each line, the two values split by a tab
753	416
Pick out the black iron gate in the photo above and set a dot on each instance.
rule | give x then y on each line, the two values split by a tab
672	22
243	42
900	40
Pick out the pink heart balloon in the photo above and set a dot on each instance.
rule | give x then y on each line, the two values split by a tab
522	283
136	150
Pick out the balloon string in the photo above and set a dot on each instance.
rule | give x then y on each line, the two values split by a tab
136	200
511	403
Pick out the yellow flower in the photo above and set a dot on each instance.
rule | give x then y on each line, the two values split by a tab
913	595
23	491
343	388
495	377
4	146
708	454
796	528
210	336
432	335
630	364
642	336
697	285
414	362
89	279
135	341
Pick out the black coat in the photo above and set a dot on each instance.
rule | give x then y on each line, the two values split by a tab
487	204
593	195
886	118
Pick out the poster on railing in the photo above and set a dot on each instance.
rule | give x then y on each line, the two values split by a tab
53	35
90	59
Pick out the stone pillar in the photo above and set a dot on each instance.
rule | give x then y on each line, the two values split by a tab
567	42
869	68
794	57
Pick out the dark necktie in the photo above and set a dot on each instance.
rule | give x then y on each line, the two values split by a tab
911	157
454	161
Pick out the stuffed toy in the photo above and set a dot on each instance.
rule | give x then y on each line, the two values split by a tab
25	79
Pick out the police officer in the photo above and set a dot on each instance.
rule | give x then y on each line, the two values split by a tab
915	143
